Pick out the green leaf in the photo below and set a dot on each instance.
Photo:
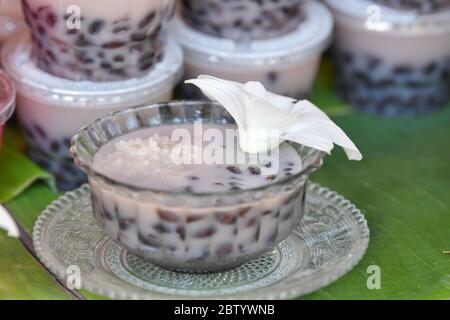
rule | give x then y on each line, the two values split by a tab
17	173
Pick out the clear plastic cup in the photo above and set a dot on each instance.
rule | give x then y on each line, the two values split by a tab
243	19
391	62
97	40
286	65
51	109
421	6
7	101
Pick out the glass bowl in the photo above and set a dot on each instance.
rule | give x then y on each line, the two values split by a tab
186	231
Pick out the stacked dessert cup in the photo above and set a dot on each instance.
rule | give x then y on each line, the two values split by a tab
278	43
393	57
79	60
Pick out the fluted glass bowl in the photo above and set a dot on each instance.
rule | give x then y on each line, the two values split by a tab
187	231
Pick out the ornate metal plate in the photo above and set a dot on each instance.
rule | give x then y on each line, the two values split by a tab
330	240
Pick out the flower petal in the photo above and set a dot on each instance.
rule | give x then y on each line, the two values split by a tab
228	93
281	102
266	119
315	122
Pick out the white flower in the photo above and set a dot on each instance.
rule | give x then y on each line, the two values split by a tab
7	223
265	119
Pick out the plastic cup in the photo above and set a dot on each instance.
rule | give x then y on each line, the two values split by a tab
286	65
97	40
391	62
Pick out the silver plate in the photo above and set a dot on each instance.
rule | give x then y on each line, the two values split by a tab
330	240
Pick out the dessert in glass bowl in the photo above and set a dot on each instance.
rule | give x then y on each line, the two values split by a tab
243	19
51	109
86	40
157	193
188	217
7	101
286	64
391	62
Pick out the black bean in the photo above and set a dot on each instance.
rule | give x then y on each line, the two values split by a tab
124	224
430	68
402	70
244	211
120	29
51	19
149	240
181	232
192	219
146	66
205	233
234	170
82	41
168	216
254	171
54	146
147	20
114	45
138	37
161	228
273	76
119	58
96	26
106	65
40	131
227	218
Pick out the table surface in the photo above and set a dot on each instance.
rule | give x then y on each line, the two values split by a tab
402	186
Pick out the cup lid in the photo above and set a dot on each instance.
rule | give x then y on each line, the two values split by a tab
382	18
311	37
7	97
32	81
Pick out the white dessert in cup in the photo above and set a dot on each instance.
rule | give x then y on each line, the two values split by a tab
51	109
286	64
391	62
195	215
88	40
